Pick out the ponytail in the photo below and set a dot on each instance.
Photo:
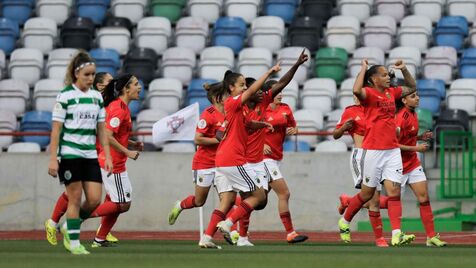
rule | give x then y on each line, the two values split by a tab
115	88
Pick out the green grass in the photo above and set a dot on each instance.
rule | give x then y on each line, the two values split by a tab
178	254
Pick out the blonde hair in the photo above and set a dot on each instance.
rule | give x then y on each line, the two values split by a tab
79	61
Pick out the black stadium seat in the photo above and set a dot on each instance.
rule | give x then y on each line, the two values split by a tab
142	63
77	32
305	32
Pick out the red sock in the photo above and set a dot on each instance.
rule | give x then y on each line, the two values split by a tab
355	204
234	226
395	212
107	222
106	208
188	202
287	222
383	202
426	215
237	203
60	207
244	225
240	212
376	222
217	216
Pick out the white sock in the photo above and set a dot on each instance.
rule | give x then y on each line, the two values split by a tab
396	231
74	243
345	221
177	205
229	222
52	223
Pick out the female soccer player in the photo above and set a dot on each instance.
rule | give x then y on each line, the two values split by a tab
381	157
280	116
413	174
78	115
101	80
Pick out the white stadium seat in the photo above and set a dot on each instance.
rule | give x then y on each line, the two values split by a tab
254	61
415	31
428	8
192	32
24	147
8	123
465	8
57	10
267	32
288	57
319	94
58	61
132	9
379	32
393	8
117	38
374	55
14	95
45	93
178	62
344	32
207	9
165	94
145	121
26	64
153	33
361	9
40	33
215	61
246	9
439	63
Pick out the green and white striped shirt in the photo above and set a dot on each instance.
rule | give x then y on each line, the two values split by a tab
80	112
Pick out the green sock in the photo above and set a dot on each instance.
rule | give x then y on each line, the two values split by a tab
73	231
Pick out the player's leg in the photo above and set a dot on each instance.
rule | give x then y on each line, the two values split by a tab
376	220
52	224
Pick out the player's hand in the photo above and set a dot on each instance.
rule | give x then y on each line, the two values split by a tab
139	146
422	147
365	64
349	124
276	68
399	65
291	131
108	165
133	154
267	149
303	57
269	126
427	135
53	167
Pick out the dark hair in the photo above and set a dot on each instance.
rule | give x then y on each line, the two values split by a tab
249	81
79	61
213	91
115	88
99	78
229	79
369	73
268	85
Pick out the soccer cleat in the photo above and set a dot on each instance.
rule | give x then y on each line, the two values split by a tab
400	239
111	239
435	241
80	250
294	238
344	203
206	242
234	235
99	244
344	230
225	230
174	213
244	242
381	243
50	233
66	241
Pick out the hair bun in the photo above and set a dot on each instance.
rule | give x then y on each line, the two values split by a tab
206	86
227	73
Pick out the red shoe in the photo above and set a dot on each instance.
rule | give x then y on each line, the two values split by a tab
344	203
294	237
381	243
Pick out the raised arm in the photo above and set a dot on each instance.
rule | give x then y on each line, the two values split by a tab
288	76
358	88
410	83
259	83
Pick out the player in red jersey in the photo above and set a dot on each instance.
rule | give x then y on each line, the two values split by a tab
203	165
353	121
280	116
232	172
381	157
413	174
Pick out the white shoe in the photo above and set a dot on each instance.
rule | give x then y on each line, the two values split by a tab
206	242
244	242
224	228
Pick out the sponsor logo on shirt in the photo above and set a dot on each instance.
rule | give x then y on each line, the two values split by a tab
87	115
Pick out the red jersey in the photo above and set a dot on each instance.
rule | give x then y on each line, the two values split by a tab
118	120
231	150
407	121
210	121
355	112
379	110
281	118
255	144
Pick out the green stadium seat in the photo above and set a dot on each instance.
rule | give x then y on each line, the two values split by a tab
425	120
331	63
171	9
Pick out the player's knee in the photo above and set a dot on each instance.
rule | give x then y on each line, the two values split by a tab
285	195
423	197
199	202
125	206
262	204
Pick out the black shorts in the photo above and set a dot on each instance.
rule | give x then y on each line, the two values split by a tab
79	169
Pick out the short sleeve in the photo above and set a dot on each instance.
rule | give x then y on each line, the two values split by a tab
397	92
114	118
343	118
204	124
102	110
291	120
232	104
60	108
399	120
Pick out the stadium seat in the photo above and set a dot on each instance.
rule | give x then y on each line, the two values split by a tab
308	121
36	121
145	120
462	98
24	147
321	9
165	94
136	105
428	8
331	147
451	31
333	119
288	56
245	9
191	32
319	94
9	32
170	9
432	85
39	33
347	84
439	63
196	93
154	33
415	31
207	9
58	61
463	84
472	35
178	62
14	95
215	61
254	61
142	63
26	64
379	32
8	123
107	60
467	64
112	21
17	10
450	119
361	9
410	55
92	9
430	99
77	32
285	9
374	55
2	63
296	146
331	63
393	8
425	120
132	9
229	32
343	32
115	35
45	93
178	147
57	10
345	98
291	95
305	32
465	8
267	32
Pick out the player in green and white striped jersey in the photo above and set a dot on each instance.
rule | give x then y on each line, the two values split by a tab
78	117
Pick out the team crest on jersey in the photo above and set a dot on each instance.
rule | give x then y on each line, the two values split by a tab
128	195
257	180
388	95
200	179
114	122
202	124
367	179
175	123
275	173
68	175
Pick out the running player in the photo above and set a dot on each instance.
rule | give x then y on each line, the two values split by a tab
381	157
413	174
280	116
77	116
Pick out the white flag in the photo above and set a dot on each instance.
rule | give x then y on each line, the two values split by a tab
179	126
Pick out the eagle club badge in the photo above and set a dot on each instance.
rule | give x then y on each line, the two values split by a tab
388	95
175	123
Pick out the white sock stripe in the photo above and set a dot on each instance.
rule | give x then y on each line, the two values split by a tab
74	231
